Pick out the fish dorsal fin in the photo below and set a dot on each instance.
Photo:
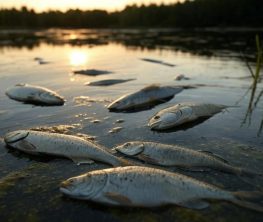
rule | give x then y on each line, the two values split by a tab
81	160
213	155
118	198
151	87
194	204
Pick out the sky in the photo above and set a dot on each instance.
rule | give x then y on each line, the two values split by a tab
110	5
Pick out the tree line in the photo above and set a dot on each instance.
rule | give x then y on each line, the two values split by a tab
191	13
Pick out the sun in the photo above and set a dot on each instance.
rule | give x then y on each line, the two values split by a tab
78	58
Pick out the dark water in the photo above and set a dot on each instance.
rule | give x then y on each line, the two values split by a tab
29	185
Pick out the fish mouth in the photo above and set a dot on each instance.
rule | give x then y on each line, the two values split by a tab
155	124
64	188
65	191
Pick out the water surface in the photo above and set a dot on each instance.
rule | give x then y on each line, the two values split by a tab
29	185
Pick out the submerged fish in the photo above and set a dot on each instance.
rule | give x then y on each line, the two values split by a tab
72	147
91	72
148	187
34	95
172	155
182	113
144	97
108	82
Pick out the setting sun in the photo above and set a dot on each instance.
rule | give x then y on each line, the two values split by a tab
78	58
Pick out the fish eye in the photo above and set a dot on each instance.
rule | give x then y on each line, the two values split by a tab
157	117
70	180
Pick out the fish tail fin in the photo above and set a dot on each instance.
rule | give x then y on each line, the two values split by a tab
246	173
243	172
244	198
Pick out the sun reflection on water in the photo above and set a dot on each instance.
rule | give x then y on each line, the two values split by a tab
78	58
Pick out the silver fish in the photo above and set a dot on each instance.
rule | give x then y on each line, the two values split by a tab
92	72
34	95
173	155
146	96
149	187
108	82
72	147
182	113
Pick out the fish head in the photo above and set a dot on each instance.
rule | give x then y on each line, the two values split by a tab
15	136
130	148
51	98
19	140
119	104
171	118
85	186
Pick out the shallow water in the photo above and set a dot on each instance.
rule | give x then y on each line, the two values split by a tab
29	185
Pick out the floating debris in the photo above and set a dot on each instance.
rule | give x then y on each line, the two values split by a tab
95	121
146	97
119	121
86	100
63	129
157	61
91	72
181	77
73	147
89	118
86	136
38	59
115	129
108	82
136	186
35	95
42	62
182	113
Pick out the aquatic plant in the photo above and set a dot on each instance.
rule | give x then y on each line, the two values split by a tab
256	78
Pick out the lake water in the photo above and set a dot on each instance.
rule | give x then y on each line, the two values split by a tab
211	59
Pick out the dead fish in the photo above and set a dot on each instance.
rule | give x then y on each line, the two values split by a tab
157	61
91	72
119	121
108	82
115	129
35	95
95	121
183	113
149	187
72	147
144	97
181	77
173	155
